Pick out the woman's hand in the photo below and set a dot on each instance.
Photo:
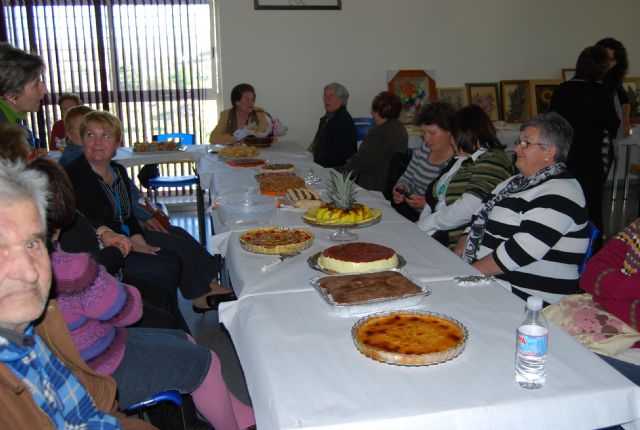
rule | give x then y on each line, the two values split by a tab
109	237
153	225
141	245
416	201
459	249
398	197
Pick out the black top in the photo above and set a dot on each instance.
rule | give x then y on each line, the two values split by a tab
588	107
80	236
97	201
371	162
338	139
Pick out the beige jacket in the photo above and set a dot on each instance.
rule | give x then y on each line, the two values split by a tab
220	134
19	410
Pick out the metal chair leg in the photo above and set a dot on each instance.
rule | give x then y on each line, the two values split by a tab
202	230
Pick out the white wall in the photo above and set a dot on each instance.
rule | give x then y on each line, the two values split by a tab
289	55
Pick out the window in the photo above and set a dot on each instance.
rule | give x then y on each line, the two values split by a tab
150	63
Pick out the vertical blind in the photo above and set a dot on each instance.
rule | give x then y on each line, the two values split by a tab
151	63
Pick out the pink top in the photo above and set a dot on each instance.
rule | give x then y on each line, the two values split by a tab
96	308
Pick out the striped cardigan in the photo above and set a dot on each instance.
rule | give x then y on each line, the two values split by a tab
539	236
96	307
477	176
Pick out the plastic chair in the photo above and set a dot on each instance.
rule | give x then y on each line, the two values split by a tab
594	233
170	396
363	125
182	181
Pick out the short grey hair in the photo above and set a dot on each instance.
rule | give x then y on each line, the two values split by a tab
341	91
554	131
18	69
19	183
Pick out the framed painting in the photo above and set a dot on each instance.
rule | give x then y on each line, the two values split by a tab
456	96
632	87
516	101
415	89
486	96
297	4
541	92
567	74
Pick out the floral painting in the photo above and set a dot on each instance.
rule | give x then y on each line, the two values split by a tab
455	96
516	101
541	93
632	88
415	89
486	96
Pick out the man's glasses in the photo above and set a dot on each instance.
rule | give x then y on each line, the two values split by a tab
524	144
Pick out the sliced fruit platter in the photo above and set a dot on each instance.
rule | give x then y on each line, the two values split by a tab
343	210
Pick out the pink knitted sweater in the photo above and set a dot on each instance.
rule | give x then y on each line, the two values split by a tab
96	308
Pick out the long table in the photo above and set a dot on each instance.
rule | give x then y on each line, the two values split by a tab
303	370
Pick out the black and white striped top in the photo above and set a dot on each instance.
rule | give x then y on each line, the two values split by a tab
539	236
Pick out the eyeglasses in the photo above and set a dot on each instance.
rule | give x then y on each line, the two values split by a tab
524	144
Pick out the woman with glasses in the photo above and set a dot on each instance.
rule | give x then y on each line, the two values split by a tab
335	139
532	231
586	103
479	166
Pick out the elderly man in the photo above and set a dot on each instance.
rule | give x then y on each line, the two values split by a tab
335	140
37	388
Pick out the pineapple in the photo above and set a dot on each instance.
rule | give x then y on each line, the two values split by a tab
341	192
343	207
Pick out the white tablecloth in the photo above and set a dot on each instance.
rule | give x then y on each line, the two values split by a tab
247	277
128	158
303	370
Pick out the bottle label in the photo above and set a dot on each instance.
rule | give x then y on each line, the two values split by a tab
532	340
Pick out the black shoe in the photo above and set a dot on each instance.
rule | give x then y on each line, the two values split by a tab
214	300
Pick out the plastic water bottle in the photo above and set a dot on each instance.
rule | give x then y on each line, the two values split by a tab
531	346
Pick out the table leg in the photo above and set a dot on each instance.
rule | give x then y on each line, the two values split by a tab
627	164
202	229
614	191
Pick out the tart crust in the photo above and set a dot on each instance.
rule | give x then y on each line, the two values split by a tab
274	240
409	338
278	168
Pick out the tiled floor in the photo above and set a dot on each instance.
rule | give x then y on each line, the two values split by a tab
205	328
208	331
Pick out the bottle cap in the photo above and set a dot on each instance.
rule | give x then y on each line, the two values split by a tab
534	303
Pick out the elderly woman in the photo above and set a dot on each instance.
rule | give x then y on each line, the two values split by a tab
103	195
244	116
427	162
371	162
21	87
532	231
98	309
479	166
612	277
335	139
588	106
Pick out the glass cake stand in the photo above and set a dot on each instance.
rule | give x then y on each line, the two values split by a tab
343	232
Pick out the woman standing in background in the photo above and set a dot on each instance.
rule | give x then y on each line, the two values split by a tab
586	103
